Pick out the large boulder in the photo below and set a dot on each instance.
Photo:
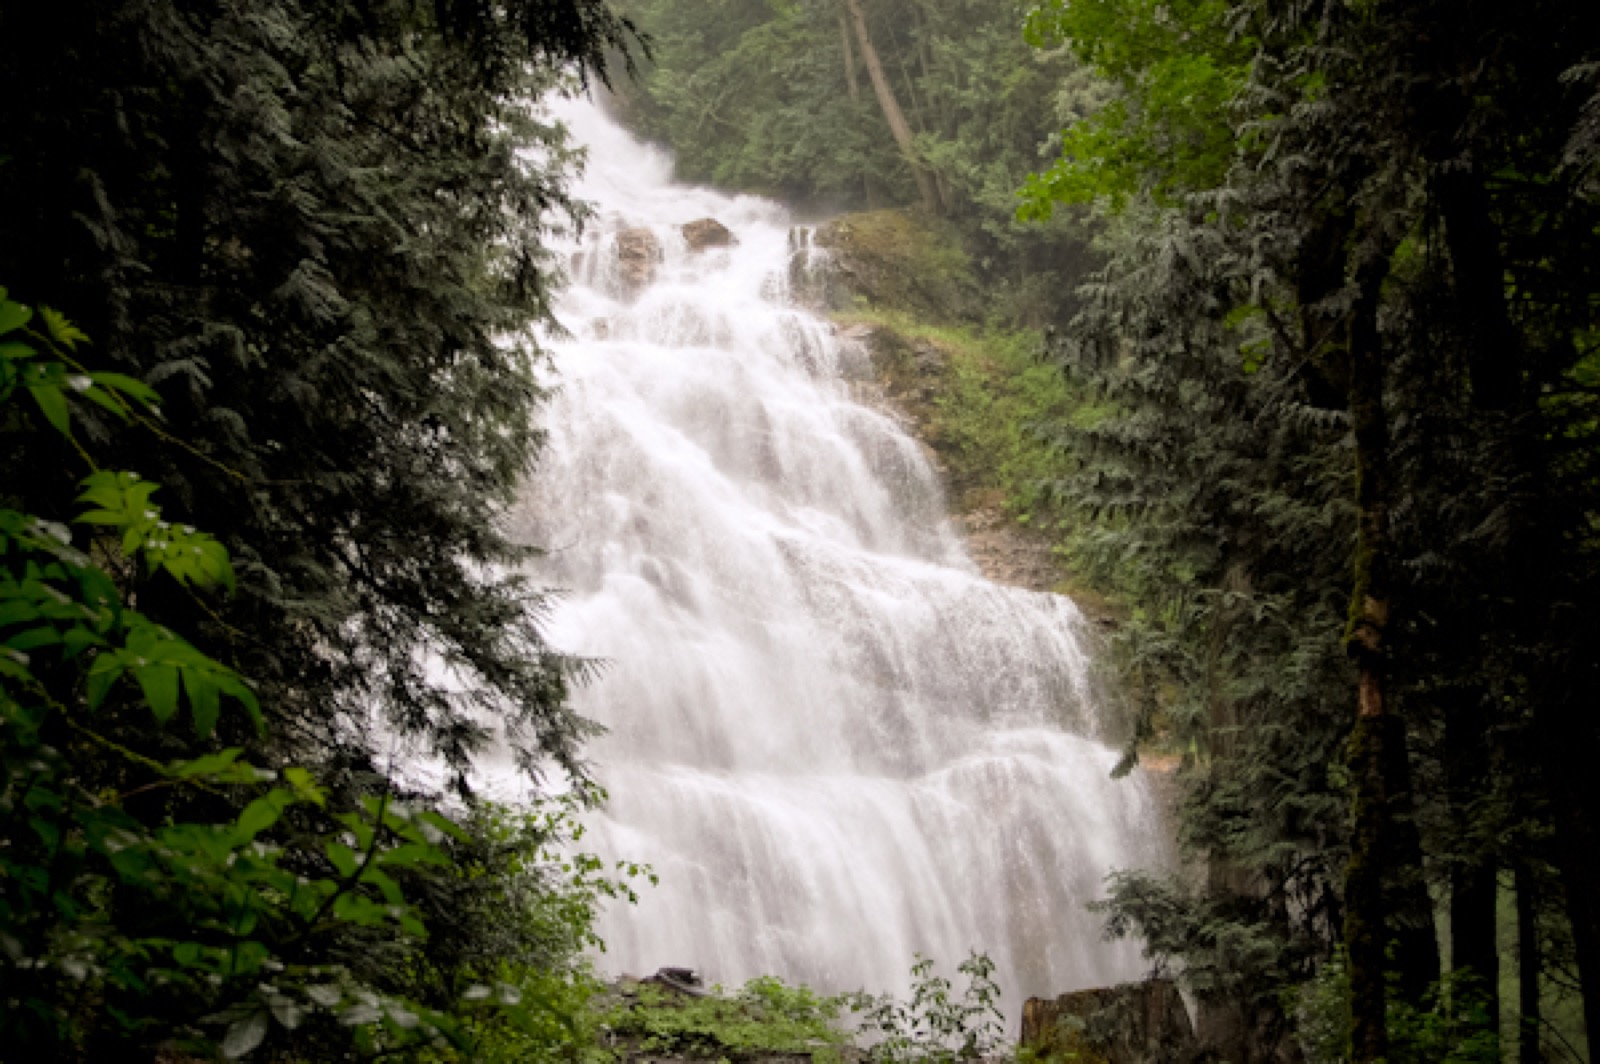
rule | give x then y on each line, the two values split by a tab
706	233
638	254
901	261
1135	1023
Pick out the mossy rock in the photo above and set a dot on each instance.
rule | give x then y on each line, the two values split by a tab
897	259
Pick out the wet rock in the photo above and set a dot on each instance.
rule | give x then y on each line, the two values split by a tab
681	980
1135	1023
706	233
926	358
813	282
1005	551
638	255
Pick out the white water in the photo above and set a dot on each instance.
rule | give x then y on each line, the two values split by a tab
837	744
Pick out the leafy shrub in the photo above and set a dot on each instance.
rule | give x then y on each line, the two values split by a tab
764	1016
203	902
935	1026
1451	1027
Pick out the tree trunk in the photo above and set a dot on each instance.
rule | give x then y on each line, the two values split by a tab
892	114
1567	742
1567	738
852	79
1366	920
1474	887
1529	960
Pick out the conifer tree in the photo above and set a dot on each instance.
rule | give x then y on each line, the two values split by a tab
319	229
1403	230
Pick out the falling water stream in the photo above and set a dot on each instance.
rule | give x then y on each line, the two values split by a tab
837	744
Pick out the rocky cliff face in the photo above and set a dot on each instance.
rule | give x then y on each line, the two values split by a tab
891	261
1136	1023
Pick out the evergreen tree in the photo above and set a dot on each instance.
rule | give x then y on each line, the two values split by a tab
1402	232
319	229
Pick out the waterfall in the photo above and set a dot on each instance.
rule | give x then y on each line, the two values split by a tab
835	742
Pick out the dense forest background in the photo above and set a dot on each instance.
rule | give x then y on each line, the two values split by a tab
1281	319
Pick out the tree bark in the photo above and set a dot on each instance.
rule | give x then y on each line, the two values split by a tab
898	127
1567	742
852	79
1383	895
1474	887
1530	959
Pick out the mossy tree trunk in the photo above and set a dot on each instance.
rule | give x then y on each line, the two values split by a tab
1365	923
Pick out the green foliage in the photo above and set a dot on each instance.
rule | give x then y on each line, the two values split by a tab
1334	162
764	1016
95	904
995	393
224	921
752	95
1176	68
999	395
319	228
758	96
1448	1027
314	226
935	1025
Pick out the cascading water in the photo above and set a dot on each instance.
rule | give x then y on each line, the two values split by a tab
837	744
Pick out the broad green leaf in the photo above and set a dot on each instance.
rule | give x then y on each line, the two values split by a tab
381	880
209	765
260	814
304	786
16	611
13	316
132	387
78	639
160	686
444	824
231	684
343	858
204	698
189	954
53	405
99	397
103	488
34	637
102	675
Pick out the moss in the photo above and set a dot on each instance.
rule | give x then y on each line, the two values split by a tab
893	260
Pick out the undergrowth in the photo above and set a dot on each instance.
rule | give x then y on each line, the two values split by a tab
764	1016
